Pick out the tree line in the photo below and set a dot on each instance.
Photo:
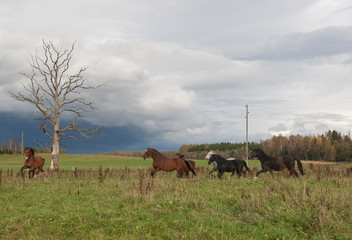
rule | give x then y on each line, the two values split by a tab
13	146
330	146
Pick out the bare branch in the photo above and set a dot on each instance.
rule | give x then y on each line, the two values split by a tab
53	91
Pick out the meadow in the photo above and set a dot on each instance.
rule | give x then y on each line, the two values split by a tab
109	197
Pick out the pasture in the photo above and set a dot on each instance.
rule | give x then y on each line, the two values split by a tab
119	200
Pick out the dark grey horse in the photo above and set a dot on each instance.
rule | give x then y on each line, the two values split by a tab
215	165
270	163
234	166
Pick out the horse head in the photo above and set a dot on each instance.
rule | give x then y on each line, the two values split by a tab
212	158
147	153
150	152
29	152
211	152
256	153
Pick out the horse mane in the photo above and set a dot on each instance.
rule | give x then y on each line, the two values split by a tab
31	149
260	151
217	156
154	150
262	154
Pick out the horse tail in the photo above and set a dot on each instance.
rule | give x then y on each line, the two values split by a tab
300	166
189	167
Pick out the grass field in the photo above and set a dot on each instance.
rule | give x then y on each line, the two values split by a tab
121	201
85	161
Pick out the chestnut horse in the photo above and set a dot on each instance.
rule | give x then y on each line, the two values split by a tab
32	162
161	162
270	163
191	162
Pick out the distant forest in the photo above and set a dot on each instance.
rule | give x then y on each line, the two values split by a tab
13	146
331	146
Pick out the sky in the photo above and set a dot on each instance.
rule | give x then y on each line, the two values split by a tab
181	72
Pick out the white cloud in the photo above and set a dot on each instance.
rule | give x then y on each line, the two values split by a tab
183	70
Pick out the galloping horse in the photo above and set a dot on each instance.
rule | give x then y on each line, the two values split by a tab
161	162
234	166
32	162
215	165
270	163
191	162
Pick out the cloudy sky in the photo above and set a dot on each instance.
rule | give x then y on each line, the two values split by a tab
181	72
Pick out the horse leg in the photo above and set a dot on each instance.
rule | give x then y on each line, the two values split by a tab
154	170
22	171
213	170
259	172
33	172
294	172
220	174
180	173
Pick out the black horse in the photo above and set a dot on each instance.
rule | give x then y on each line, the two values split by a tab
270	163
224	165
215	165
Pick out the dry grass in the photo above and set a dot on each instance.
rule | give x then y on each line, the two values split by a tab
126	203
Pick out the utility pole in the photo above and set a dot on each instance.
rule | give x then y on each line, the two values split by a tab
246	133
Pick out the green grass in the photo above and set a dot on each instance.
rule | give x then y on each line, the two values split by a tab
85	161
126	203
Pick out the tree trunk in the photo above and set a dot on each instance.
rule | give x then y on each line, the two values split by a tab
55	157
56	148
54	162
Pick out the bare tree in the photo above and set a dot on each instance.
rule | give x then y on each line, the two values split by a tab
54	92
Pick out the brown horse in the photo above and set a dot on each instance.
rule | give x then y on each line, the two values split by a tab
191	162
161	162
32	162
270	163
